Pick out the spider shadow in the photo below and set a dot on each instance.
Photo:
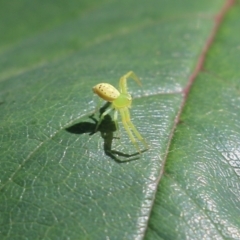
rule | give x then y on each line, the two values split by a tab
106	129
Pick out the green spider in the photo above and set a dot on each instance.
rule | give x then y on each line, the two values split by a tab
121	102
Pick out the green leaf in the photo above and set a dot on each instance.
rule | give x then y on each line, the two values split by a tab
58	181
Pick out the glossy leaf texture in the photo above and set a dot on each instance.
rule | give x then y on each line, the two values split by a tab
60	180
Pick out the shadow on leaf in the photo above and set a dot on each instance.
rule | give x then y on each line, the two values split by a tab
106	129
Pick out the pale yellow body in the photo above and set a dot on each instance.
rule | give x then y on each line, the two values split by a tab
120	101
106	91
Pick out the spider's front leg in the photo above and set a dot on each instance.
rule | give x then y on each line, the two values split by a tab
123	81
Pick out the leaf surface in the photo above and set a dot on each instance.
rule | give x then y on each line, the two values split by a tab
57	179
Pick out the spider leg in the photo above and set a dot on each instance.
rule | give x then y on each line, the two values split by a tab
115	117
125	120
133	128
102	117
123	81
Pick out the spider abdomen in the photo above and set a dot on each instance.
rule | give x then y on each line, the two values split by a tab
106	91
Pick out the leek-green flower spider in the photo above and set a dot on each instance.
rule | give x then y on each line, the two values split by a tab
120	101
